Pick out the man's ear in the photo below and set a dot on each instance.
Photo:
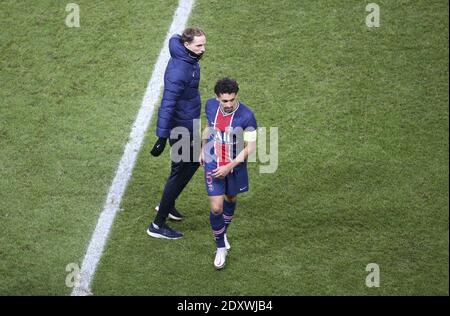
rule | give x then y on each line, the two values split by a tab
186	44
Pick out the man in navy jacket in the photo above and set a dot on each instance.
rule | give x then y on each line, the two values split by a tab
180	107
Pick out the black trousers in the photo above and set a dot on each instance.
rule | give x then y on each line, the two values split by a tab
180	175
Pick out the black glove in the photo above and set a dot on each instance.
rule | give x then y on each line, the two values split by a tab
159	146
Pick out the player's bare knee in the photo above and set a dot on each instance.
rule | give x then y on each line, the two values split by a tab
217	209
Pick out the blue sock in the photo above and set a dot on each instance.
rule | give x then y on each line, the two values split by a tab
228	212
218	228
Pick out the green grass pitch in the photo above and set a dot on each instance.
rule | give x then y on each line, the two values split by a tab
362	117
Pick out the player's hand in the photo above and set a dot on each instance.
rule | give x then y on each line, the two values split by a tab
159	146
221	172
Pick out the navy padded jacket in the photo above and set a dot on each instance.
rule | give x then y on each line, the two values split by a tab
181	102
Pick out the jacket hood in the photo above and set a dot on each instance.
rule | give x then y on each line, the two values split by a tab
178	51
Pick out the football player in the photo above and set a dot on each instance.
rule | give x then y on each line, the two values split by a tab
227	142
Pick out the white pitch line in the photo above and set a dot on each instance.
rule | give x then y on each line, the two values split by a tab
123	173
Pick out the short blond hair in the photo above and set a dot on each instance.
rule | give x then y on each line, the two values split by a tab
189	34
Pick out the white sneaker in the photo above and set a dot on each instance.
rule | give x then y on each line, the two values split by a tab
227	244
219	261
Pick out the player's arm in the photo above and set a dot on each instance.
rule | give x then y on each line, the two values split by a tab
249	147
205	136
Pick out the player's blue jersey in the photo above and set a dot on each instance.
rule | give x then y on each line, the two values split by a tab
226	136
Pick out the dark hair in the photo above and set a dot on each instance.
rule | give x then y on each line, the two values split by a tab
226	85
189	34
